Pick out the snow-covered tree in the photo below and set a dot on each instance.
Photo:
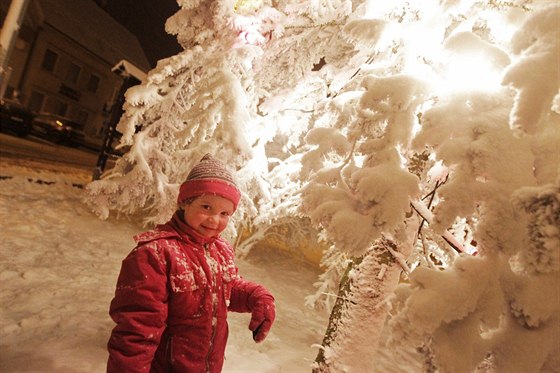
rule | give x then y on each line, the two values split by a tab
409	134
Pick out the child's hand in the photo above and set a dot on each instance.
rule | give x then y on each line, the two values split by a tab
262	317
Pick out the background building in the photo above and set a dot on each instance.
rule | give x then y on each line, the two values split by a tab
62	60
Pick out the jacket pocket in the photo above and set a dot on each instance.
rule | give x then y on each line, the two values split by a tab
183	282
187	295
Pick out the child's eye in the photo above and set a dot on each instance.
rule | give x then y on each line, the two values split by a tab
206	207
225	213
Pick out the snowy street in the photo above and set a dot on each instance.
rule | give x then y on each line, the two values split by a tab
31	147
58	268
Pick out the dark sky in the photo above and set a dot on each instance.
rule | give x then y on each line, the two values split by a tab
146	19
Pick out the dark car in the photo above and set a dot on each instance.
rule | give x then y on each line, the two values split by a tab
15	118
77	135
58	129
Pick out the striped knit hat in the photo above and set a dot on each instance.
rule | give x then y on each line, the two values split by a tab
210	176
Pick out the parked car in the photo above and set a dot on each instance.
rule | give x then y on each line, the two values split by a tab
15	118
77	136
58	129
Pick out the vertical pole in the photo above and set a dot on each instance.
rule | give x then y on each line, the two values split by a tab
128	81
110	131
8	36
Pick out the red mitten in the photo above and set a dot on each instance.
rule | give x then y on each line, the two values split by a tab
263	314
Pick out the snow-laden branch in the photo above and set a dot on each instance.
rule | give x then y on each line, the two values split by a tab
428	216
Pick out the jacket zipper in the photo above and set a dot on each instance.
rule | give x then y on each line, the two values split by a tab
169	354
214	295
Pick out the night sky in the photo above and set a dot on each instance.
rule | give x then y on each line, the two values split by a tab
146	19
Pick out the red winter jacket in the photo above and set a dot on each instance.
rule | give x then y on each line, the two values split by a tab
171	302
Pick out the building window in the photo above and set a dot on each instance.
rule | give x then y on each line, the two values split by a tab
82	117
36	101
11	93
73	73
61	108
93	83
49	60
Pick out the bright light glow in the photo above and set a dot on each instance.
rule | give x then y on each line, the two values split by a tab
465	60
246	5
471	72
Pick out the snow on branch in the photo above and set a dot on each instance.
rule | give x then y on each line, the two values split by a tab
535	74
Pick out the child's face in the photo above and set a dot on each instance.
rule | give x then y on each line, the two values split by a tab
208	214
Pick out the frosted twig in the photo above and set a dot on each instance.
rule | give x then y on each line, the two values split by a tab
426	255
368	61
427	215
432	195
344	164
300	110
335	296
398	258
318	346
382	272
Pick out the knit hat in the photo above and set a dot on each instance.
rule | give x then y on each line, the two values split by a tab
210	176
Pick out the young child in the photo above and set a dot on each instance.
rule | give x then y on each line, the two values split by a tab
176	286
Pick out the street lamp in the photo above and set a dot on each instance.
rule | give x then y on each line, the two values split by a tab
132	76
8	35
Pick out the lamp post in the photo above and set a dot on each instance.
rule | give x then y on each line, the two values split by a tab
8	36
132	76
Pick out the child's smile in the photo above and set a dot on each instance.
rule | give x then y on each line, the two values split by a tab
208	214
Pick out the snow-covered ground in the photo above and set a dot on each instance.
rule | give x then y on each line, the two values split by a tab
58	268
